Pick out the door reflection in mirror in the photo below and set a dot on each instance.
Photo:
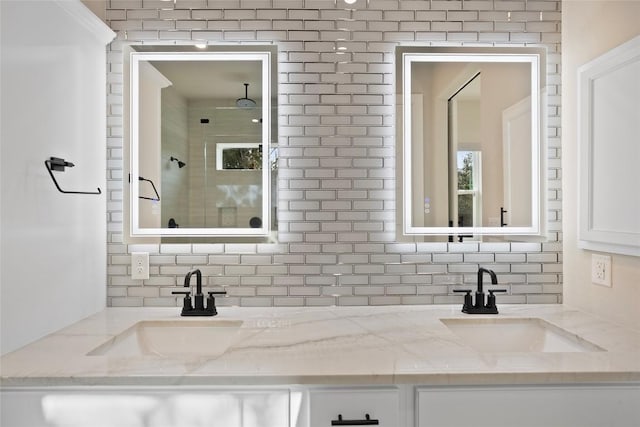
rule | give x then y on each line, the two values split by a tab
464	136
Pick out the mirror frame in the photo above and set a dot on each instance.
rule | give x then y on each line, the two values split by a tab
534	57
136	58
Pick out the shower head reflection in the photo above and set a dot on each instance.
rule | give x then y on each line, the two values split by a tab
181	164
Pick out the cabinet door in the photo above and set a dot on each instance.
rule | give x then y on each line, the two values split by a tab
160	407
567	406
223	409
354	405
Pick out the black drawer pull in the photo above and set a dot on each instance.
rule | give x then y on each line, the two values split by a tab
366	422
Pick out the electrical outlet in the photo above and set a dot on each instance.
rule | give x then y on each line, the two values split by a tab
139	265
601	270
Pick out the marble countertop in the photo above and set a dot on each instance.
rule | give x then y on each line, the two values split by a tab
327	345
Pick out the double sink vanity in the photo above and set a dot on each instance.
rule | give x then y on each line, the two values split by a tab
392	365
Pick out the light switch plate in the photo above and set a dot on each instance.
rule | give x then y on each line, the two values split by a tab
601	269
139	265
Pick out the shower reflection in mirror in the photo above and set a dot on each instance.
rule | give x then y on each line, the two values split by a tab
212	113
180	163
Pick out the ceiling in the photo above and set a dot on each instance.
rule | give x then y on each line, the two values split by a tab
213	79
471	91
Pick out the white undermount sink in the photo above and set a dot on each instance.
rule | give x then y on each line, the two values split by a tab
508	335
172	338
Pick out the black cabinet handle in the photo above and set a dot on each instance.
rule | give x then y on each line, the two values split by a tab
366	422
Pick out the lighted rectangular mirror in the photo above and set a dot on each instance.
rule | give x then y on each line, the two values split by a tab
471	141
202	145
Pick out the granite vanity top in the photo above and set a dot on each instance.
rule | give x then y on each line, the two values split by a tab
327	345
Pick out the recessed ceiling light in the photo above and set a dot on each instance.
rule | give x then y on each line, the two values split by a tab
350	1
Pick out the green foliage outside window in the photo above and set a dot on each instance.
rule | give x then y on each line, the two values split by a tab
465	182
465	174
242	158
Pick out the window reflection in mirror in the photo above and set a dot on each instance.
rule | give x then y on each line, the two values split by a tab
238	156
470	139
468	189
201	133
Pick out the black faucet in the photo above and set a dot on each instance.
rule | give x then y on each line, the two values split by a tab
479	307
198	309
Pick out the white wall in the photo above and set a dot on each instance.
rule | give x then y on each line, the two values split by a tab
150	132
591	28
53	255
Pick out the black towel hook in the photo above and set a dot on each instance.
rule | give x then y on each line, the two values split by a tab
58	164
157	199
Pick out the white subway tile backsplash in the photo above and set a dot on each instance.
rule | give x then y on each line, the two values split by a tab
191	259
353	301
336	291
417	300
479	258
126	301
385	300
143	292
526	268
511	257
525	247
400	290
447	258
321	237
239	271
158	260
249	280
337	179
354	279
320	301
256	302
163	282
224	259
175	248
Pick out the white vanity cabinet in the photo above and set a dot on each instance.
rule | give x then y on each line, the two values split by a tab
531	406
349	406
612	405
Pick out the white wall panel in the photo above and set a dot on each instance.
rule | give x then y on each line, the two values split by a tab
53	270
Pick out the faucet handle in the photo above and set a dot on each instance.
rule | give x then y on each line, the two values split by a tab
185	293
186	302
211	293
468	301
211	301
491	301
